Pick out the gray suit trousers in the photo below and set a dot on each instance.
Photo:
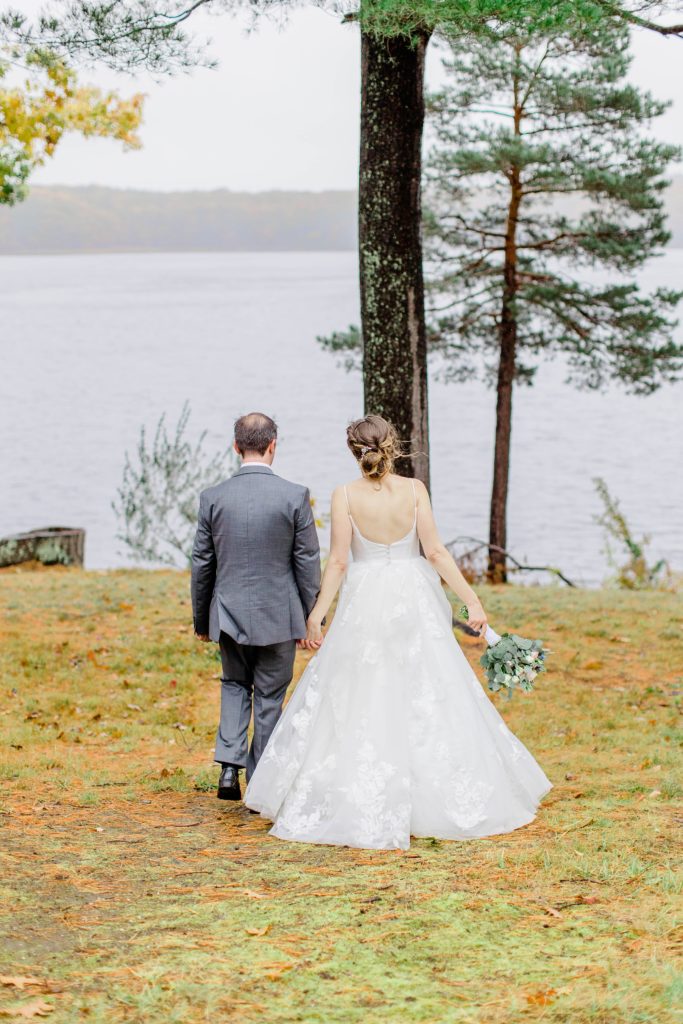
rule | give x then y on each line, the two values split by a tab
251	674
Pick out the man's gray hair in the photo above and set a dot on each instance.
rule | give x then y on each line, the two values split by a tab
254	432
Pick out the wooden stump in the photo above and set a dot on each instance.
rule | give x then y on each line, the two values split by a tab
53	545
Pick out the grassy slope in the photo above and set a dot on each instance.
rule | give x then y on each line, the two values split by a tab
132	894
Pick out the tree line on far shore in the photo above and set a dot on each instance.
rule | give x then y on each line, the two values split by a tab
93	218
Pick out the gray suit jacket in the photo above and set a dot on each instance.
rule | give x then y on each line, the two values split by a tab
255	560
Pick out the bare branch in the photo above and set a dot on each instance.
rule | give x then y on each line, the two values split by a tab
519	566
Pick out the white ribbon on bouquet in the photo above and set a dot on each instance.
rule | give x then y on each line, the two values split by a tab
491	636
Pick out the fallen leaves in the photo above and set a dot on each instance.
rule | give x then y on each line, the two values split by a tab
555	910
229	891
578	901
572	828
550	910
543	997
258	932
27	1011
22	982
19	981
274	971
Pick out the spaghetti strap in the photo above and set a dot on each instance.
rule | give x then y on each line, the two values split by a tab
346	495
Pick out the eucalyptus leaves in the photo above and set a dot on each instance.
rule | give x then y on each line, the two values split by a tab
511	662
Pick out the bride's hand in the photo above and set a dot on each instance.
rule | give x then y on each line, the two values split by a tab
476	616
314	634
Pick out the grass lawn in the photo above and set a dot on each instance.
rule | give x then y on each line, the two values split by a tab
129	893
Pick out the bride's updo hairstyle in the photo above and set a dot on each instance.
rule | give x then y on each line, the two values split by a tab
374	442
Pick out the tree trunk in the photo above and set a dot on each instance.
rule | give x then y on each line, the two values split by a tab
501	458
390	245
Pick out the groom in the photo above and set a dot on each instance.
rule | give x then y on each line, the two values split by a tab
255	578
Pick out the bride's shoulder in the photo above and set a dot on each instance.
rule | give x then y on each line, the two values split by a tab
339	494
408	483
348	486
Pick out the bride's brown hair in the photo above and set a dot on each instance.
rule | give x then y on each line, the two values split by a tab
375	444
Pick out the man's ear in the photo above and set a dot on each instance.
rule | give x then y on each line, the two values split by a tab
236	449
272	446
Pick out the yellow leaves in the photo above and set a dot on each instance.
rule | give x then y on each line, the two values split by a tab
258	932
36	114
91	112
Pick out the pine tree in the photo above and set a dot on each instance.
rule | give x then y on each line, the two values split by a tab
541	172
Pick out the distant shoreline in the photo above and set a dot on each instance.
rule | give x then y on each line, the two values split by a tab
69	220
94	219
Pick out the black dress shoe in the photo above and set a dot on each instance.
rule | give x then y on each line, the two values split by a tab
229	783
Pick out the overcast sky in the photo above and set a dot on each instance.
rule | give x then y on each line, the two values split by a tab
281	111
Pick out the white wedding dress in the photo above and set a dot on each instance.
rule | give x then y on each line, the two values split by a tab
389	733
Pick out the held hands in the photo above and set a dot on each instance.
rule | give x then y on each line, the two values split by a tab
204	637
314	635
476	617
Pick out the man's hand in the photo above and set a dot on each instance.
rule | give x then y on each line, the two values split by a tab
204	637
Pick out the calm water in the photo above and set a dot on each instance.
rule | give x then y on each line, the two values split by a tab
93	346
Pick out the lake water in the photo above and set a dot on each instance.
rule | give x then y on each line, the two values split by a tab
94	346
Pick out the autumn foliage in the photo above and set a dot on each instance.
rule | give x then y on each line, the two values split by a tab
44	101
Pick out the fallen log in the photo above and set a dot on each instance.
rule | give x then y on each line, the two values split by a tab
52	545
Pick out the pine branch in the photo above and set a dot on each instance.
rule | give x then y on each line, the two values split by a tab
633	19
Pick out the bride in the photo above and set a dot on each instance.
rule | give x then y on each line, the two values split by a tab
389	732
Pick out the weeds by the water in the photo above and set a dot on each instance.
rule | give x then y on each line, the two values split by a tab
637	573
131	894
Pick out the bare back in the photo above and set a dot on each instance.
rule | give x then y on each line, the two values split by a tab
385	514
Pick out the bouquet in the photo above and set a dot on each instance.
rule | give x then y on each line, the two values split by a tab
511	661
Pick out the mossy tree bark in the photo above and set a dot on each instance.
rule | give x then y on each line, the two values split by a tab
390	245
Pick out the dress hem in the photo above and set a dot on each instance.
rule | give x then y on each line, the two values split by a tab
400	846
